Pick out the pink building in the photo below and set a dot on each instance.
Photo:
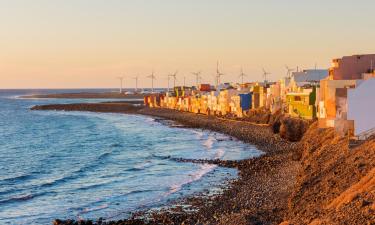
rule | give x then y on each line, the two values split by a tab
352	67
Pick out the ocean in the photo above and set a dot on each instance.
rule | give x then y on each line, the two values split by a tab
82	165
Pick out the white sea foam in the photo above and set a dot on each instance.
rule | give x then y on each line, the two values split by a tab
198	133
143	165
93	209
150	120
204	169
13	97
209	142
220	153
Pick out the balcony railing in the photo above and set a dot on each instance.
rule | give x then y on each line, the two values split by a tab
366	134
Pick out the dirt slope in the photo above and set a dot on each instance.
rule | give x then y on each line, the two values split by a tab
336	185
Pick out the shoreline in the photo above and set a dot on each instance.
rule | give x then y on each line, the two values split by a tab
262	186
260	135
318	180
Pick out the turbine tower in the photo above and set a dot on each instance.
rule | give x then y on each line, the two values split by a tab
218	74
121	80
197	76
265	74
168	77
174	75
136	82
152	77
242	75
289	71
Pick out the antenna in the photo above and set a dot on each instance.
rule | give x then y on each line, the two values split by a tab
289	71
121	79
184	81
136	82
265	74
152	76
242	75
218	74
197	76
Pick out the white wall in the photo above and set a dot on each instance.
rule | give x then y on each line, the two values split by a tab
361	106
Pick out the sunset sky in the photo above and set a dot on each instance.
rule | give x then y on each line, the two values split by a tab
88	43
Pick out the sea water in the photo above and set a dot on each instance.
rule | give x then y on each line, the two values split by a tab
82	165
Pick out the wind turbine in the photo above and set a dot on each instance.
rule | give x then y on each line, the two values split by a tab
121	80
168	76
197	76
218	74
265	74
136	82
174	78
242	75
152	76
289	71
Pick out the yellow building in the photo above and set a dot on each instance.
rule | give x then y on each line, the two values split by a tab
302	104
259	97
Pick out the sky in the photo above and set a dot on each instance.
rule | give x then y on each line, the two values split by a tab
88	43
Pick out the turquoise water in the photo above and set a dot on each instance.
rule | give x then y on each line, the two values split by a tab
89	165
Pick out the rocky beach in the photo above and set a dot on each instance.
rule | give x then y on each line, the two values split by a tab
311	181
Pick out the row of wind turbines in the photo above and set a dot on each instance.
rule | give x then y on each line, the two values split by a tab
198	77
153	78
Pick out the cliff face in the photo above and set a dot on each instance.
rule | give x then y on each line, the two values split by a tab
336	185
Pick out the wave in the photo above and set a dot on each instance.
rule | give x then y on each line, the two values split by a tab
17	198
72	176
204	169
160	156
150	120
199	134
84	188
142	205
104	155
116	145
23	197
58	180
209	143
141	166
80	172
87	210
220	153
13	97
16	178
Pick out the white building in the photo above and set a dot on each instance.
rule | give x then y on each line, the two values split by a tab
361	106
308	76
